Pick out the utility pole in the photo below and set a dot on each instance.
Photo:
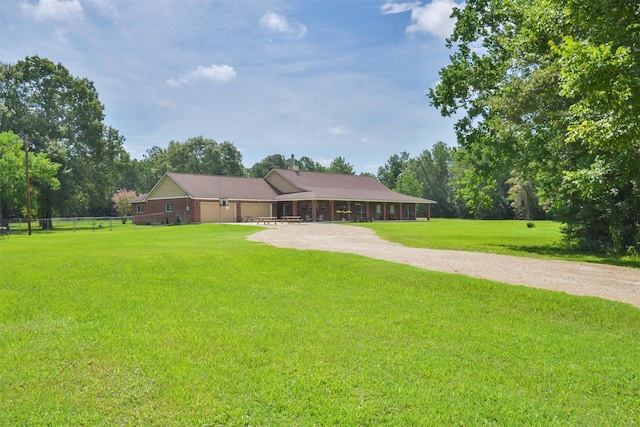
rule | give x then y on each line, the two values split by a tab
26	167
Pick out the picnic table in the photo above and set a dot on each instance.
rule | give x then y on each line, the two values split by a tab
291	219
267	219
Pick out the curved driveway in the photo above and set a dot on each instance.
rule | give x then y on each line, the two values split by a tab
577	278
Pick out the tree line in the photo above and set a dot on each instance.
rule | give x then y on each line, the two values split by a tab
79	166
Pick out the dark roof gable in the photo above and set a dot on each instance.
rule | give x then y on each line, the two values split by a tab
320	185
214	187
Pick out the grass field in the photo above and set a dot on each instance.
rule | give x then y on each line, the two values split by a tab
194	325
543	240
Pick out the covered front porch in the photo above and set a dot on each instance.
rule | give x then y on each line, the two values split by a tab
349	210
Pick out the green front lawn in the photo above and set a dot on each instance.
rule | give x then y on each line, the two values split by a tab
194	325
544	240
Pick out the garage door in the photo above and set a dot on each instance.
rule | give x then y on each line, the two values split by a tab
213	212
255	210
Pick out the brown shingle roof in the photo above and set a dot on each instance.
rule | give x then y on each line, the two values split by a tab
328	186
214	187
311	185
139	198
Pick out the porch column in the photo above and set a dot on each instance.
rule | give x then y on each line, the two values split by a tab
428	211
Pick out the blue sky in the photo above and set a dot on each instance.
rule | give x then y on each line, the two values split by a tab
317	78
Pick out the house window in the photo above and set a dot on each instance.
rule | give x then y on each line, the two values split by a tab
323	207
392	212
168	207
362	211
408	211
303	207
379	212
139	209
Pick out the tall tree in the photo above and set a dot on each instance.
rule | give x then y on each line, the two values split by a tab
551	91
137	175
340	165
158	160
42	174
308	164
262	168
392	169
429	176
197	155
409	183
482	185
63	118
231	160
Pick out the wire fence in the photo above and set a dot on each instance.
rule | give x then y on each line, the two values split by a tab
164	218
21	225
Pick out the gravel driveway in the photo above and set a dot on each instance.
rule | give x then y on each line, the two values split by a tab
577	278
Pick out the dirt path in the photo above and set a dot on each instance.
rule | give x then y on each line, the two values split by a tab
605	281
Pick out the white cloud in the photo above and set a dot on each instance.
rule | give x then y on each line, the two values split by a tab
339	130
274	22
217	73
55	10
434	18
279	24
390	8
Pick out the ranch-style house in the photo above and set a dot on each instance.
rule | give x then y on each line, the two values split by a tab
311	196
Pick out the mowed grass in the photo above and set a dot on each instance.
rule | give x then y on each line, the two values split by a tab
194	325
543	240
